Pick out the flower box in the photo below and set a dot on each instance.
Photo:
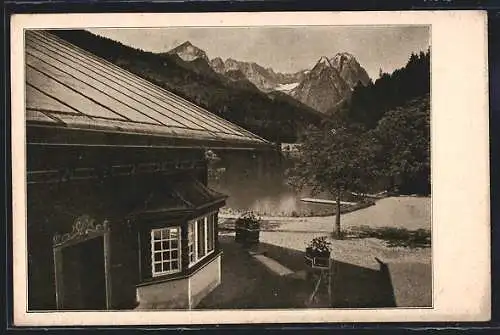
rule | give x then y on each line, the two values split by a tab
245	235
247	229
318	253
317	259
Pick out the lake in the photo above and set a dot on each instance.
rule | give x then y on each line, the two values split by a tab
270	198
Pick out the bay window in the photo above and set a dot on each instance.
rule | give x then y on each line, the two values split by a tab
166	244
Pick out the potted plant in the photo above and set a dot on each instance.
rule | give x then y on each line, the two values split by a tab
318	253
247	229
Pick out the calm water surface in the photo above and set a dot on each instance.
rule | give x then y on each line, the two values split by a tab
270	198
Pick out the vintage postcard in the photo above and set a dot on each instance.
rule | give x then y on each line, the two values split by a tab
250	168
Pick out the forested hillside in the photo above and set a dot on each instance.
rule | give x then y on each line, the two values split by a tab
369	103
379	139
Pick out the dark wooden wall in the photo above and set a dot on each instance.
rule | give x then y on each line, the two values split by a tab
55	200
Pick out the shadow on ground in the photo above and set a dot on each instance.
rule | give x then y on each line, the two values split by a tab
352	286
248	284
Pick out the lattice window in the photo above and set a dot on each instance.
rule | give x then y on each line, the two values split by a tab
165	251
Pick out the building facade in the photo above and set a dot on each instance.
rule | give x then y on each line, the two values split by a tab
119	215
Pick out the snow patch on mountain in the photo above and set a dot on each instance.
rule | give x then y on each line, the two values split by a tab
286	87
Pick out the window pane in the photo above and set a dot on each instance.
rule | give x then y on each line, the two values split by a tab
158	267
210	234
157	234
201	237
174	244
157	246
174	233
166	266
166	255
175	254
157	257
165	245
175	265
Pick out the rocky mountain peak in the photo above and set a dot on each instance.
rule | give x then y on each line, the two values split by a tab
217	64
189	52
350	69
342	59
330	81
186	44
322	63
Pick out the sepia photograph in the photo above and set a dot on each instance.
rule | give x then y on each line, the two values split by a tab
205	168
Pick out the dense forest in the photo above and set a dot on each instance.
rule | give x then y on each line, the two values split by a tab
369	103
378	140
277	118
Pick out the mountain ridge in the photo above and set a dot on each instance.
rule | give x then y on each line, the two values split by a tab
329	82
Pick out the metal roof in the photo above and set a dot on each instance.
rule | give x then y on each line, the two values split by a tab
70	88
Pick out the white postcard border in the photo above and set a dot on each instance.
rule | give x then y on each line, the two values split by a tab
460	167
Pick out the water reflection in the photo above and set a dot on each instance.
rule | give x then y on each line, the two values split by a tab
272	198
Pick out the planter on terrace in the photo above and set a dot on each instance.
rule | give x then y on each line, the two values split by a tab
248	229
318	253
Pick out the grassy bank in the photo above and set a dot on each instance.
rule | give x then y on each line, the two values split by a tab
392	236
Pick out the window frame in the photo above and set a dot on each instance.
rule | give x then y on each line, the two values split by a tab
214	216
193	224
154	273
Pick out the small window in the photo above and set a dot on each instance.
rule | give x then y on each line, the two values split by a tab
191	242
201	237
165	252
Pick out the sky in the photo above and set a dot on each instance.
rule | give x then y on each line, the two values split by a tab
287	49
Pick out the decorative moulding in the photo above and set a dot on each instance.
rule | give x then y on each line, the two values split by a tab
83	227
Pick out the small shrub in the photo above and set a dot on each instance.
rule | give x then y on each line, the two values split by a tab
320	244
249	220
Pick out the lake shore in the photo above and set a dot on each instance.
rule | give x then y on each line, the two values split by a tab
399	212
